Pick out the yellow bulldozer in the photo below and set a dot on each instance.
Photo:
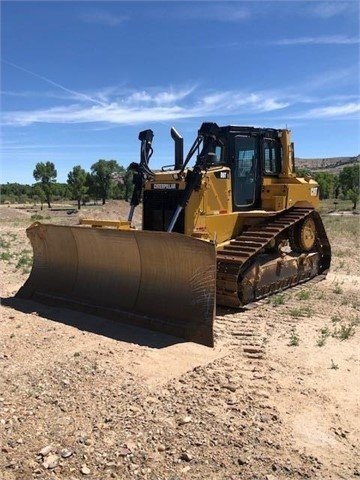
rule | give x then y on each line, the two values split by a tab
234	227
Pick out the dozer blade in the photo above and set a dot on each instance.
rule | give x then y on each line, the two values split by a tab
158	280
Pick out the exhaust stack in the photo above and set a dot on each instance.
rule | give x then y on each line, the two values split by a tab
179	148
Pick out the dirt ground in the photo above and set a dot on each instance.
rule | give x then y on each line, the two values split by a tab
277	398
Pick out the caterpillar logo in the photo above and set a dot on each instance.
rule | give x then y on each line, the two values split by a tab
164	186
222	174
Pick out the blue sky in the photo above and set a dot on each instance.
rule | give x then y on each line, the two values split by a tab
79	80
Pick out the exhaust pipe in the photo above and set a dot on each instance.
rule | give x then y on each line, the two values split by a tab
179	148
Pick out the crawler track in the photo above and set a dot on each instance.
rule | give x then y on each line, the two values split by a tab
238	256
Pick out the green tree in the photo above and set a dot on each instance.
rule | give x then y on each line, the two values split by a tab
349	183
128	184
303	172
15	192
61	191
45	174
92	190
38	194
102	173
122	184
327	183
77	183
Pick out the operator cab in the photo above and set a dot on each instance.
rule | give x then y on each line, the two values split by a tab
250	153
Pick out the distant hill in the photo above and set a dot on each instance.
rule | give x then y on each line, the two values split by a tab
331	165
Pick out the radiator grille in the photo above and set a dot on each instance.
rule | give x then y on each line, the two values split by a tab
158	209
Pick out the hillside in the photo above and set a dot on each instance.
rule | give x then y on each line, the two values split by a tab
332	165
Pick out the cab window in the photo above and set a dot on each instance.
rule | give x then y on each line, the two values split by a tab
218	153
272	157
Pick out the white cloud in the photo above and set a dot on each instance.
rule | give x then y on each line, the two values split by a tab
219	12
113	113
330	9
153	96
270	104
125	107
341	77
142	106
332	111
321	40
257	102
101	17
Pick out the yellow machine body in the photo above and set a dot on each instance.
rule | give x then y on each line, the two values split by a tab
209	213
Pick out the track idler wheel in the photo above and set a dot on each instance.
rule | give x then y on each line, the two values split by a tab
303	236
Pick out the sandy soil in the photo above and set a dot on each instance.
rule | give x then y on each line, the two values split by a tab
277	398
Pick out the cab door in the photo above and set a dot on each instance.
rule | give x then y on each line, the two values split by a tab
245	172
